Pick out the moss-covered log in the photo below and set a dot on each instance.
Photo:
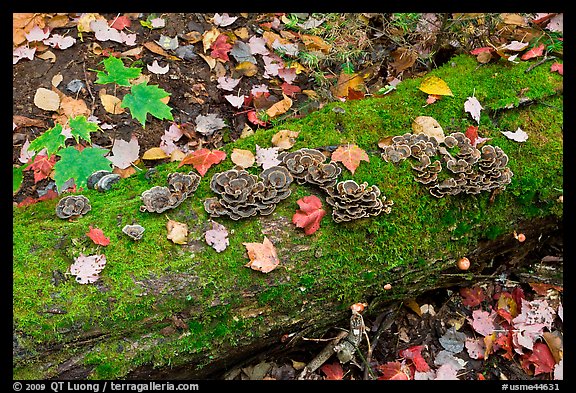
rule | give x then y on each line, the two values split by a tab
181	311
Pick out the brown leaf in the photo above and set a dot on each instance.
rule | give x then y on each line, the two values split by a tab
177	231
280	107
263	256
284	139
111	103
154	153
46	99
70	108
315	43
555	344
155	48
345	82
23	121
404	58
243	158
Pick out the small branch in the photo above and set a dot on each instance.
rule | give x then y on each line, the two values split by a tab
544	60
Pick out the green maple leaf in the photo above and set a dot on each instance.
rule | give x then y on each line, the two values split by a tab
117	72
52	139
81	128
79	165
17	177
144	99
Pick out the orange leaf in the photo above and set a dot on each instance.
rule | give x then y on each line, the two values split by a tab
350	156
42	166
262	256
333	371
203	159
309	215
280	107
97	236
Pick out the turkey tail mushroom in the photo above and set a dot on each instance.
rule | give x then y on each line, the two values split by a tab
72	206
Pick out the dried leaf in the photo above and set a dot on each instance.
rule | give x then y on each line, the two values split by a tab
475	347
541	358
111	104
519	135
350	155
235	101
284	139
483	322
177	231
155	68
217	237
394	371
155	48
263	256
452	340
154	153
435	85
224	19
557	67
472	106
243	158
429	126
87	268
97	236
125	153
42	166
246	68
280	107
227	83
47	100
309	215
220	48
207	125
203	159
345	82
404	58
472	297
414	353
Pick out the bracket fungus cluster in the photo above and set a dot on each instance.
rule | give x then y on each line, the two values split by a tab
102	180
161	198
469	170
242	195
72	206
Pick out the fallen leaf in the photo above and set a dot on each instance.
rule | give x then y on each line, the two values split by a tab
315	43
309	215
97	236
42	166
124	153
155	68
23	121
56	79
345	82
516	46
203	159
280	107
87	268
224	19
394	371
289	89
483	322
48	55
207	125
235	101
284	139
217	237
472	297
514	19
121	22
263	256
227	83
429	126
154	153
435	85
518	135
452	340
243	158
71	108
333	371
267	157
247	68
220	48
155	48
475	347
414	353
557	67
111	104
541	358
534	52
472	106
177	231
47	100
404	58
167	42
350	155
209	37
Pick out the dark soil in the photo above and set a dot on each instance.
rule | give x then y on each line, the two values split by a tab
193	91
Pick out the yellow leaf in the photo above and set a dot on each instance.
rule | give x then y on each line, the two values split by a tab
111	103
209	37
247	68
436	86
412	305
345	82
313	43
280	107
299	67
284	139
154	153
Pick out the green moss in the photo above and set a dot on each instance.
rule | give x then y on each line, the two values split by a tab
146	282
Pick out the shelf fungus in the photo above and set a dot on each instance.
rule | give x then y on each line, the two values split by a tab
300	162
351	201
102	180
134	231
160	198
468	169
243	195
72	206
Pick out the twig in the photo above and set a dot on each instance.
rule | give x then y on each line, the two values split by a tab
385	325
323	356
544	60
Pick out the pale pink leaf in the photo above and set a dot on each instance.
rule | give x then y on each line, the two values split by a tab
446	372
103	32
58	41
519	135
557	67
272	63
224	19
475	347
259	89
25	154
217	237
227	83
37	34
155	68
125	153
209	124
483	322
267	157
559	370
516	46
128	39
257	46
157	23
288	74
87	268
236	101
22	52
472	106
556	24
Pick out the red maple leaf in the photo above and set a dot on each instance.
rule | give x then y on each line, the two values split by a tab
203	159
309	215
253	118
394	371
505	342
472	297
415	354
333	371
97	236
289	89
220	48
472	134
541	358
121	22
50	194
350	155
558	67
534	52
42	166
477	51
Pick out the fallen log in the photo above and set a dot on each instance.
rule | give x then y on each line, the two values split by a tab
181	311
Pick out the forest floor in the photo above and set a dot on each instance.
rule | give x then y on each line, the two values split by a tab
313	59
